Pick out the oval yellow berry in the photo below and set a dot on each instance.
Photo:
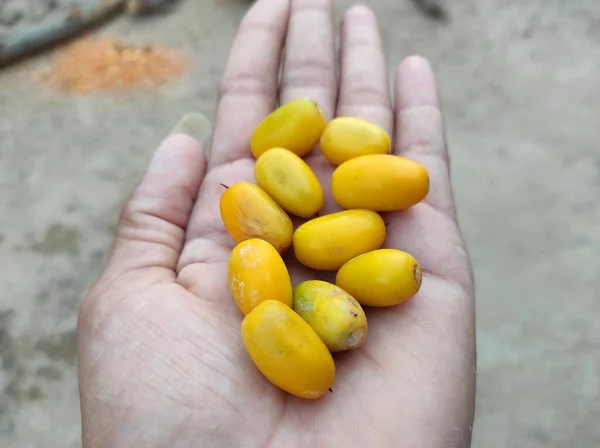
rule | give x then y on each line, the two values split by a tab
329	241
383	277
248	212
345	138
380	183
335	315
295	126
289	181
287	351
257	273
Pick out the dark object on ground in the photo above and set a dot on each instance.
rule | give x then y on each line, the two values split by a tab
30	38
65	23
141	7
432	8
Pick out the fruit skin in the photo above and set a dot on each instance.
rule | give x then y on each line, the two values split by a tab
249	212
295	126
335	315
345	138
290	182
287	351
380	182
257	273
327	242
383	277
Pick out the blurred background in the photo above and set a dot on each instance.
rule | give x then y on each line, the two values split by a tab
521	96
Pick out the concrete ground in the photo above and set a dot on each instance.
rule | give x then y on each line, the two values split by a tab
519	82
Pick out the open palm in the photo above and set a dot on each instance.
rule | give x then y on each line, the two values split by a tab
161	358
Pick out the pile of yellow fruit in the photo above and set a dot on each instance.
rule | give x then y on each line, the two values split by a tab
290	333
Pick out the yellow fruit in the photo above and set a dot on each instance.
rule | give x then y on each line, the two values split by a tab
295	126
287	351
329	241
345	138
383	277
334	314
257	273
380	183
248	212
289	181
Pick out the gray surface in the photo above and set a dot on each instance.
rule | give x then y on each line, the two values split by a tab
520	87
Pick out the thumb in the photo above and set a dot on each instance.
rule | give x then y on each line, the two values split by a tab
152	225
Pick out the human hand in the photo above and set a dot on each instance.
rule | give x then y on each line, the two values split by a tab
160	353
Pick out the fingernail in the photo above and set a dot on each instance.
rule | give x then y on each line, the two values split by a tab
197	126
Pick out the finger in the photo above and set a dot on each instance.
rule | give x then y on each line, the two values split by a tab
151	229
429	230
249	87
309	68
364	91
420	131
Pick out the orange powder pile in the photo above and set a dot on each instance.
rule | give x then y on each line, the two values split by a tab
102	64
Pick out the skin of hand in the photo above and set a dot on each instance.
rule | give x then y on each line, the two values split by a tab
160	354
